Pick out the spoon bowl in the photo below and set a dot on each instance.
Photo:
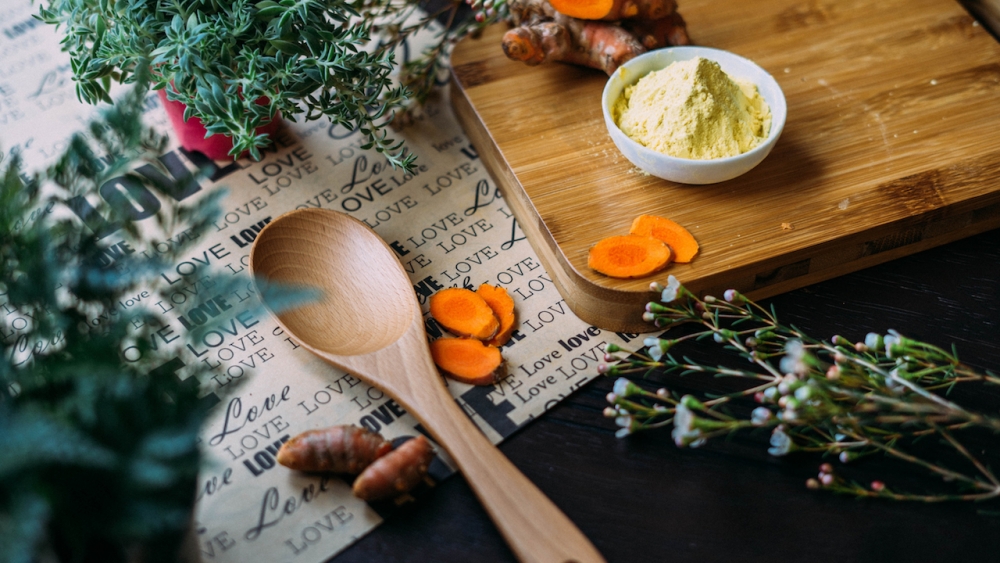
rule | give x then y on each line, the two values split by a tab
368	323
360	318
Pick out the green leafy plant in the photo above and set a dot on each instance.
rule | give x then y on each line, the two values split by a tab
886	395
237	63
100	455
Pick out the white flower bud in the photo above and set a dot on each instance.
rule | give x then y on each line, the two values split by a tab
621	387
655	353
873	340
781	443
671	291
760	416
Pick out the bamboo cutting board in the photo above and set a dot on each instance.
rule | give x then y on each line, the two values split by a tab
892	146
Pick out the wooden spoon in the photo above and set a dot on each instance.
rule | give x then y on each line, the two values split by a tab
369	324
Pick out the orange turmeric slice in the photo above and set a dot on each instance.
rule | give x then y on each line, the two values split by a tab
629	256
503	307
676	236
611	10
464	313
468	360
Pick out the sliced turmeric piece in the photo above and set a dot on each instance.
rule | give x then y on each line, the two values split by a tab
676	236
468	360
629	256
611	10
503	308
464	313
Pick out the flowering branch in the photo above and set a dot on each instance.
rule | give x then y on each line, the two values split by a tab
835	398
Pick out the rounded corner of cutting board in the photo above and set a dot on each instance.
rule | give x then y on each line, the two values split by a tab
608	308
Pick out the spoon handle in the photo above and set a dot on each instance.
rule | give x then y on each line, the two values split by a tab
535	529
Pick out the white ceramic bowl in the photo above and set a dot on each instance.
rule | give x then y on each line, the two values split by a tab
684	170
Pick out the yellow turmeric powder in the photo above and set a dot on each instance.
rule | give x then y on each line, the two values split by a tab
693	109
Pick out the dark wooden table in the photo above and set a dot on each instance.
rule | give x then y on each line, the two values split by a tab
643	499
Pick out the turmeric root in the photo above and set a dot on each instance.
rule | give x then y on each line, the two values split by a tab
535	44
612	10
599	45
542	34
395	473
503	308
659	33
629	256
460	311
677	237
338	449
468	360
528	12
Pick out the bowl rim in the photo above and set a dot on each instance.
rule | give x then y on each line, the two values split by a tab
777	120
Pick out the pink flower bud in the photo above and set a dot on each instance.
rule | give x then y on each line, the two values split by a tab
833	373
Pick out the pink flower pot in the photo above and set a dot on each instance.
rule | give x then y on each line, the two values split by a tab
191	133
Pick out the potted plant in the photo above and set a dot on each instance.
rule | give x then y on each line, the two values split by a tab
237	65
100	455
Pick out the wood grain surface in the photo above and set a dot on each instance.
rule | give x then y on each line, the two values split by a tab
890	148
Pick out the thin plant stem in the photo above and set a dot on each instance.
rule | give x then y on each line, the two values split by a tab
849	400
